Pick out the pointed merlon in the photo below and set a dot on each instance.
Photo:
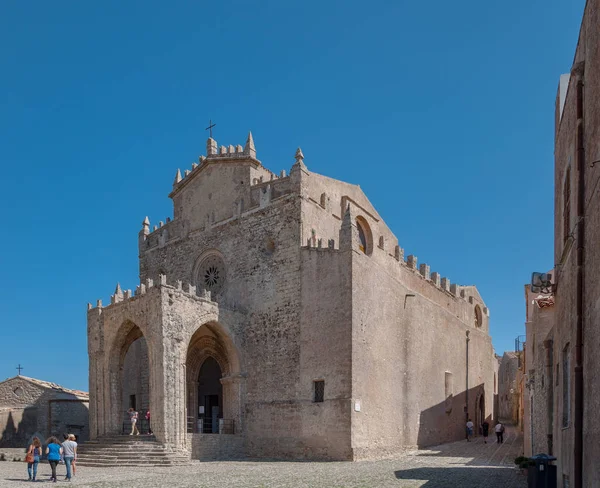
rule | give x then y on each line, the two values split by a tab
299	156
249	148
177	177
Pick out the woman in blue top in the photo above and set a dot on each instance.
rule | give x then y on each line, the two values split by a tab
53	450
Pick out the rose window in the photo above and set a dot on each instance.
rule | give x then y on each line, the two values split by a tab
211	273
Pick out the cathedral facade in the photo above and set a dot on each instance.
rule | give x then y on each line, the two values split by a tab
277	316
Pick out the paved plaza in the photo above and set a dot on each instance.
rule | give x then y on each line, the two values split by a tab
459	464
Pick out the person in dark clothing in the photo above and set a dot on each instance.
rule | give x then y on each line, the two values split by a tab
485	430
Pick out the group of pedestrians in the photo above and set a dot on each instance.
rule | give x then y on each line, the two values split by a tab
485	430
55	452
133	418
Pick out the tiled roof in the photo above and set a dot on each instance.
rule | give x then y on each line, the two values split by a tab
53	386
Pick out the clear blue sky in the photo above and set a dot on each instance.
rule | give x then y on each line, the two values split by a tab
442	111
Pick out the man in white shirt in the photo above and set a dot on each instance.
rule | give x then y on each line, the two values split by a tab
69	453
469	430
500	433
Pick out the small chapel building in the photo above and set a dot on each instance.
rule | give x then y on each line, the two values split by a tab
277	316
31	407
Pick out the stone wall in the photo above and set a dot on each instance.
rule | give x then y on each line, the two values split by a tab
539	377
213	447
585	68
508	394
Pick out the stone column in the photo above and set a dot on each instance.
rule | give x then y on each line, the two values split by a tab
168	394
233	391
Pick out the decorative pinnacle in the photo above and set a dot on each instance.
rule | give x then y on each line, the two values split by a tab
299	156
118	290
146	223
249	148
177	177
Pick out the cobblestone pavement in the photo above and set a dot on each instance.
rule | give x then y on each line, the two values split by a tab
459	464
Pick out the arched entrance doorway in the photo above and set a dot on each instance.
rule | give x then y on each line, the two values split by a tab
210	397
214	383
130	373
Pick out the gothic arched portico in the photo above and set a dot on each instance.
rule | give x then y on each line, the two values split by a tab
213	380
128	376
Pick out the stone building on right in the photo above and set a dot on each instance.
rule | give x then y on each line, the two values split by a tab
572	343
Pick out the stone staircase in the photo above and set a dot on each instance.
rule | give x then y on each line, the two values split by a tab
125	450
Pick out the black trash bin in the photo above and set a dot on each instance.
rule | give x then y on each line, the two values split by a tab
542	474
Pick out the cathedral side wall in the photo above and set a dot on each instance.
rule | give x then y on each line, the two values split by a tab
411	383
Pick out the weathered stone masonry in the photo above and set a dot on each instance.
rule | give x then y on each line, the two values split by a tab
330	345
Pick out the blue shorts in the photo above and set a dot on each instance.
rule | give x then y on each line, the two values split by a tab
470	431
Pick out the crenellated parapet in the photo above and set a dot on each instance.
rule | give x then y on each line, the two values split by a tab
121	297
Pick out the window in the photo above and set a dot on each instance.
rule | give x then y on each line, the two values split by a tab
210	273
478	316
323	200
449	391
364	236
567	206
566	387
319	387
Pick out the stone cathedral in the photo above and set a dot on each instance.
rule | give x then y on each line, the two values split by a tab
277	316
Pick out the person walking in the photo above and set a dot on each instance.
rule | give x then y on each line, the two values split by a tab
133	416
485	430
73	437
53	451
469	430
148	420
69	448
34	453
499	433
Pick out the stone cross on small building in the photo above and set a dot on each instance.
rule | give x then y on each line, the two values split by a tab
19	368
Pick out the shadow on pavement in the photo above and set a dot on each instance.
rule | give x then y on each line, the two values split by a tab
446	477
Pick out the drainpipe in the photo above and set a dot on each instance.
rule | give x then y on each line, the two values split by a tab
549	395
467	381
578	418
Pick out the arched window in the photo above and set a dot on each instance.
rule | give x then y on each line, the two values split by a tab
567	205
478	316
364	235
363	239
